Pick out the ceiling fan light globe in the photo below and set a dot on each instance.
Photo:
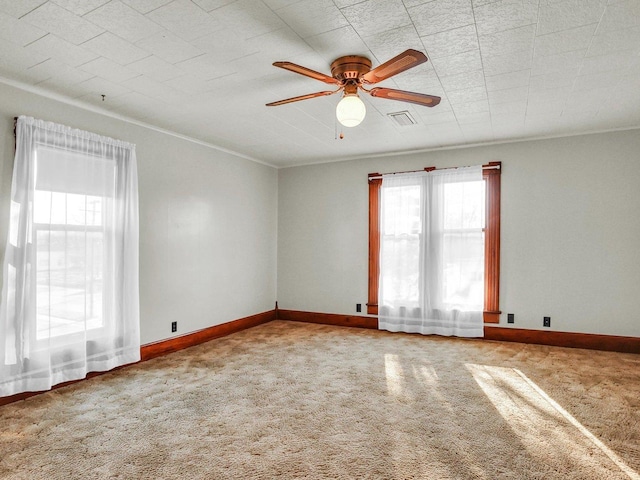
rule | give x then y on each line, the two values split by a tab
350	111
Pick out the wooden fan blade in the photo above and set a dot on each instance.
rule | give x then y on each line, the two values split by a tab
397	64
302	97
404	96
307	72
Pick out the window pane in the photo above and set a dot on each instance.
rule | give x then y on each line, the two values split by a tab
83	209
42	207
464	205
400	265
464	217
463	284
69	282
76	209
93	207
400	244
58	208
67	209
402	210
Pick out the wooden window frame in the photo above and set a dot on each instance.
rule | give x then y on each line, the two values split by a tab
491	175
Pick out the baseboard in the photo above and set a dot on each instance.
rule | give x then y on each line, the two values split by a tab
612	343
170	345
329	319
24	395
591	341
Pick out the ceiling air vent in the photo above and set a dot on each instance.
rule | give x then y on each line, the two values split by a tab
403	118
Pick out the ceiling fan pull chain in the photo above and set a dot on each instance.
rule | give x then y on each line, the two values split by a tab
335	127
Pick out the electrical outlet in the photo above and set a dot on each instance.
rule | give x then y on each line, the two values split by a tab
546	322
174	327
510	318
358	307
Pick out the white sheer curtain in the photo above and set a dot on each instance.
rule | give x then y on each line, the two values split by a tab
432	252
70	276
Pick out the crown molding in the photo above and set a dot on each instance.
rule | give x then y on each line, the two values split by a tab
34	89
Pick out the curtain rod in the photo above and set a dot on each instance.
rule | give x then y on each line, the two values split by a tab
430	169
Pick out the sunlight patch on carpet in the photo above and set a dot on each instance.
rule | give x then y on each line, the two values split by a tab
533	415
573	421
393	374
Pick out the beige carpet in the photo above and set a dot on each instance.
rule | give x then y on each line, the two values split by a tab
292	400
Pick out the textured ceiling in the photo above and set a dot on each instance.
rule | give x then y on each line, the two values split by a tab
506	70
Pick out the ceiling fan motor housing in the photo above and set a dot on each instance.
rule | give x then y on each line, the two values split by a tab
351	67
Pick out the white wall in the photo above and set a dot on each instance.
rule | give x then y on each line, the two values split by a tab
570	242
207	220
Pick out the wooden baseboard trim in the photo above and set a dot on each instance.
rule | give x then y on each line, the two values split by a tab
170	345
589	341
329	319
22	396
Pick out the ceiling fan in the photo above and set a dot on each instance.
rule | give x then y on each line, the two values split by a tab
351	73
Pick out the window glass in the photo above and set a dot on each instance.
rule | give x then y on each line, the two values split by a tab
460	208
69	241
464	214
403	230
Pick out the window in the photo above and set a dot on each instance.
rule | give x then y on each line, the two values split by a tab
69	241
70	296
485	224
